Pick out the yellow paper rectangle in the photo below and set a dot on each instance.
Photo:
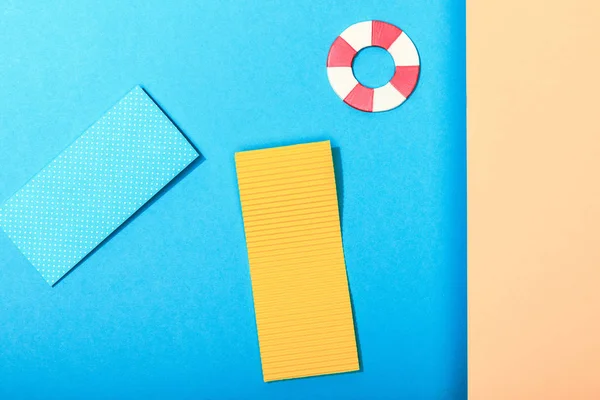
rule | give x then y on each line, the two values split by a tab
301	297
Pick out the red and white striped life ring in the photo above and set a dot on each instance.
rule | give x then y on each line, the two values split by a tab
366	34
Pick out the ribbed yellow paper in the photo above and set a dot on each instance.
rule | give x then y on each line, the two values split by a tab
301	296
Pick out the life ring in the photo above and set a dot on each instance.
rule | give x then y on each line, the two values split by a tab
365	34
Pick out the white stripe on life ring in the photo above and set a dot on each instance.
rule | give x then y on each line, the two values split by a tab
359	35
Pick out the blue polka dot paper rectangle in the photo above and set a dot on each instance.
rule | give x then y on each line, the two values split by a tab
95	185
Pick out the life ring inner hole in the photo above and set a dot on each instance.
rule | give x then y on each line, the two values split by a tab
373	66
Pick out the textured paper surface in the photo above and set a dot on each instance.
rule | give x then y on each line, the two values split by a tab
299	282
534	199
96	184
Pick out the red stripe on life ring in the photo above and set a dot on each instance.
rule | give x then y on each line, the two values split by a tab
384	34
361	97
405	79
341	54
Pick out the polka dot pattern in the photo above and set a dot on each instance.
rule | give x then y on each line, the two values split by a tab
95	185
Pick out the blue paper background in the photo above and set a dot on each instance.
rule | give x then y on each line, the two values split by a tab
164	308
